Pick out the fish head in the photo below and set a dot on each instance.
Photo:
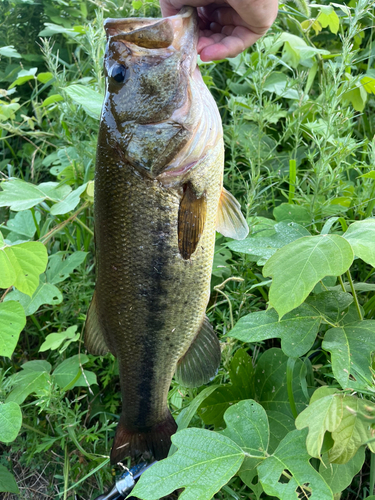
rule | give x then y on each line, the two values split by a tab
149	108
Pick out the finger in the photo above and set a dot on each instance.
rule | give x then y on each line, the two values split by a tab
228	46
215	27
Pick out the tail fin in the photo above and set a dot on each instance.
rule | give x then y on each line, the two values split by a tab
155	440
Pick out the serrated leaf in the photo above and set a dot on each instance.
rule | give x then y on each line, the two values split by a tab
361	236
339	476
20	195
297	329
54	340
270	382
205	461
10	422
351	347
44	294
59	269
265	246
298	267
291	458
247	425
7	482
69	202
90	100
23	223
322	415
12	322
21	266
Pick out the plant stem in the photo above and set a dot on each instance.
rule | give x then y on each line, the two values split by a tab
61	226
82	224
29	428
372	473
342	284
292	180
289	383
354	295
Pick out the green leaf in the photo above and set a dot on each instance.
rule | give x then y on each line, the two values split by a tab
242	376
270	382
361	236
330	305
353	431
44	77
351	347
9	51
281	85
7	481
69	202
24	76
44	294
322	415
297	268
292	213
247	425
205	461
265	246
20	195
59	270
328	17
21	265
90	100
369	85
12	322
29	382
69	373
357	96
53	29
52	99
10	422
54	340
280	424
291	458
23	223
297	330
339	476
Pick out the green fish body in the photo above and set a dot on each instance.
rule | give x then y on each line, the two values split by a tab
158	200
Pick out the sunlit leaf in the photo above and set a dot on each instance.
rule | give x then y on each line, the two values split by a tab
90	100
10	421
361	236
12	322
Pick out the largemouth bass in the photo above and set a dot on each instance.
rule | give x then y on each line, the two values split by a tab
158	199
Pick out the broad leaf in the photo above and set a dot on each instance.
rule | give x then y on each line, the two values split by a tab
7	481
69	202
330	305
292	213
265	246
322	415
297	268
69	373
23	223
205	461
29	382
287	474
247	425
58	268
12	322
20	195
297	330
21	266
90	100
242	375
54	340
361	236
270	382
351	347
44	294
339	476
10	422
9	51
328	17
280	424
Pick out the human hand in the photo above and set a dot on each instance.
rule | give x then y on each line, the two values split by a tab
227	27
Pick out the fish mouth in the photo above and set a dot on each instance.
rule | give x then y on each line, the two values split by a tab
179	32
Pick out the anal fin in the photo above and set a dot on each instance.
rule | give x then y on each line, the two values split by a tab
94	337
201	361
230	222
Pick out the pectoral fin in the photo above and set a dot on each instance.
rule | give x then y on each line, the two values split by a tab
191	220
230	222
94	338
201	361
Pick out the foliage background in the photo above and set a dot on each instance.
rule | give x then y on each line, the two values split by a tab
298	120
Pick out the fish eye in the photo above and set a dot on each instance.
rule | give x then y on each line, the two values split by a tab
118	73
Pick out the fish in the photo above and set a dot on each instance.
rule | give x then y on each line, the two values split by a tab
158	201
